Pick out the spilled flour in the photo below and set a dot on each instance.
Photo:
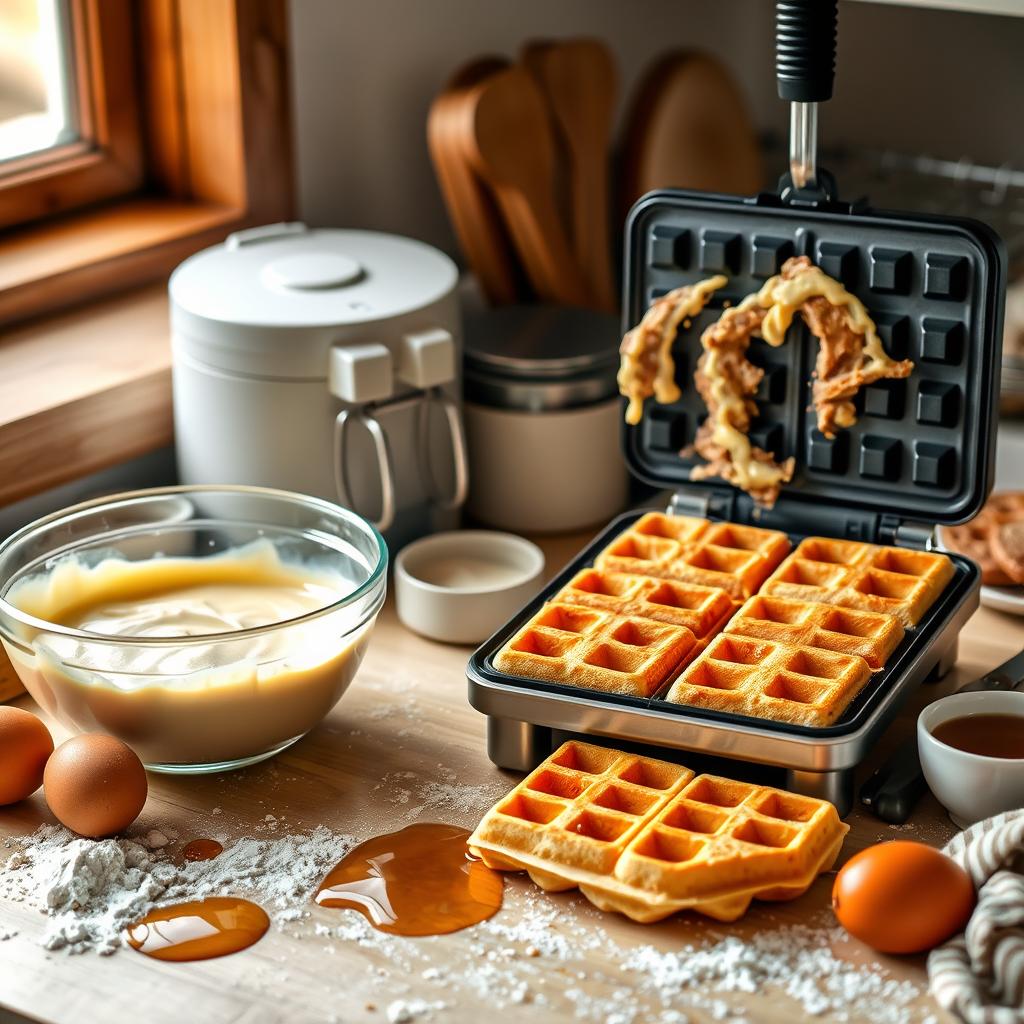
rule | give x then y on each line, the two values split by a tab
553	959
540	958
91	891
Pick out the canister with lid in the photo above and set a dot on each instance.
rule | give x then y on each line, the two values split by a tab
327	362
542	418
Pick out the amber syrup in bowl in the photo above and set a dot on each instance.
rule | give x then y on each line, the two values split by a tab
988	735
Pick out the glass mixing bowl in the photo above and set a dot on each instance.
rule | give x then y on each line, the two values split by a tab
186	700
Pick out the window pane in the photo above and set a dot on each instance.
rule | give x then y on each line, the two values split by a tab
35	77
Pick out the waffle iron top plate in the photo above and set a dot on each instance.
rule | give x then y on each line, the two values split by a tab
922	449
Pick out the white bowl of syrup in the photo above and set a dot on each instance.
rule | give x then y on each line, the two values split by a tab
972	753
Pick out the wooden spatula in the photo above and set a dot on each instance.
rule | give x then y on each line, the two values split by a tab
688	127
473	212
579	80
508	138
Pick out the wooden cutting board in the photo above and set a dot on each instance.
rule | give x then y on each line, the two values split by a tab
688	127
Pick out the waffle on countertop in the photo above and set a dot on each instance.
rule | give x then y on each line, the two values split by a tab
734	558
797	651
648	838
895	581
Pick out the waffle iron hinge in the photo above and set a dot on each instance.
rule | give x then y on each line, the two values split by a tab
704	504
905	533
803	519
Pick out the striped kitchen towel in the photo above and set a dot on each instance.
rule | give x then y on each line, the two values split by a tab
980	975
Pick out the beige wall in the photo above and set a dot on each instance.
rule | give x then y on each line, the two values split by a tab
365	71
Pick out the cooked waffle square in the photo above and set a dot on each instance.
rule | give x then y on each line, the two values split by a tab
648	838
872	636
731	557
702	610
598	650
771	680
869	577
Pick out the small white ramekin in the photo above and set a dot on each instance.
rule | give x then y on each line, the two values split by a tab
500	573
971	786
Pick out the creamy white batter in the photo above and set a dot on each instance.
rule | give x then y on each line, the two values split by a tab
187	702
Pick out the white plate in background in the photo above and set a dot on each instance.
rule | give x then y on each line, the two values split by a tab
1000	599
1004	599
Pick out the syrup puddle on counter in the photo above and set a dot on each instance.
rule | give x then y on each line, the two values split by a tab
202	849
421	880
199	930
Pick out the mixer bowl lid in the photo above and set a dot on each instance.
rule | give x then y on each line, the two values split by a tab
293	290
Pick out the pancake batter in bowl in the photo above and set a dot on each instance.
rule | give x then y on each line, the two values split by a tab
141	669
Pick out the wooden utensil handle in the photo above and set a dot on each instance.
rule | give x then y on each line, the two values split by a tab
542	246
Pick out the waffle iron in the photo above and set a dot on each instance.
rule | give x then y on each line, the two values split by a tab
920	453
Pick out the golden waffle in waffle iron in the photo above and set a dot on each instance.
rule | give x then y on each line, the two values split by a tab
598	650
735	558
771	680
871	635
851	574
647	838
702	610
615	632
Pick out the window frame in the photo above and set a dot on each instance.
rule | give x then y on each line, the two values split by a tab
214	152
107	159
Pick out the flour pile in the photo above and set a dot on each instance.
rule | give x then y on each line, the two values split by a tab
91	891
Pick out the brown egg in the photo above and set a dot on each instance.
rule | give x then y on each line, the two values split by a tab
95	785
25	744
902	897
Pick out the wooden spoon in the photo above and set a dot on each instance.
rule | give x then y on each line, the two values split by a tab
580	81
472	210
688	127
508	137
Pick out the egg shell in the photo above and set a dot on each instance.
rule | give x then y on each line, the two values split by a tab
25	745
95	785
902	897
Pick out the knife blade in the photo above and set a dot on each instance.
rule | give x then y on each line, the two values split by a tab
894	789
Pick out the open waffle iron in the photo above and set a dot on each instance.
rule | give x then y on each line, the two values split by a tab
920	453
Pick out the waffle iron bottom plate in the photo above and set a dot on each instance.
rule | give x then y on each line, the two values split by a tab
524	715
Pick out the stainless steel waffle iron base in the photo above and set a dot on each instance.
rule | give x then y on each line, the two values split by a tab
525	717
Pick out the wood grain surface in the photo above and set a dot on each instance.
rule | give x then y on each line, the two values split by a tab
405	721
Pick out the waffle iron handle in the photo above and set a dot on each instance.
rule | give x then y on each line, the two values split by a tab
894	789
805	59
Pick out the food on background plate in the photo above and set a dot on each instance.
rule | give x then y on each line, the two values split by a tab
1007	541
95	785
648	838
25	746
902	897
647	366
1001	559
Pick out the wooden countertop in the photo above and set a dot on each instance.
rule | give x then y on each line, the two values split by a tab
405	720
